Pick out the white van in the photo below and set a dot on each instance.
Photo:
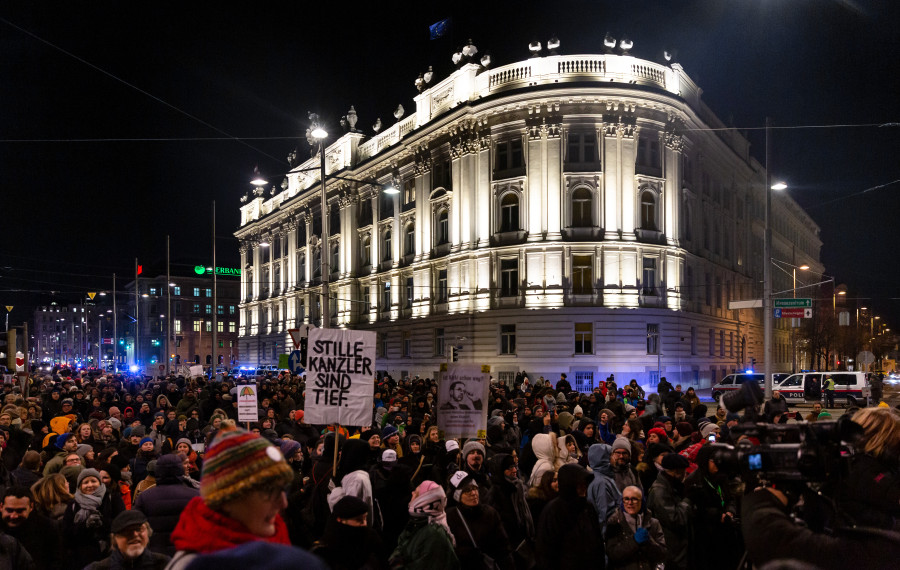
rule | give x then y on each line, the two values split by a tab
807	387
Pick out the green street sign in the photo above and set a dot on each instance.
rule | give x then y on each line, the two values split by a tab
793	303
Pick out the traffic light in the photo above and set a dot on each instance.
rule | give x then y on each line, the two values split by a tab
304	342
454	353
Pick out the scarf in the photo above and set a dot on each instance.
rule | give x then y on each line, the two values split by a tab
89	504
634	521
520	506
201	529
431	502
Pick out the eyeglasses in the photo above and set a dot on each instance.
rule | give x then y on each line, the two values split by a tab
631	499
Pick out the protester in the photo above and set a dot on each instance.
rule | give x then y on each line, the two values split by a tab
130	536
634	539
426	543
38	534
164	503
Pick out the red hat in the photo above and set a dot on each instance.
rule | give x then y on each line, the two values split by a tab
661	433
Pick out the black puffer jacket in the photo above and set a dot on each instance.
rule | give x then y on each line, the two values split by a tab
163	505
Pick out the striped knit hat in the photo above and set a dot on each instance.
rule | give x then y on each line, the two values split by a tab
238	462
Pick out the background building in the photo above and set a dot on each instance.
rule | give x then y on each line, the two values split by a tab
585	214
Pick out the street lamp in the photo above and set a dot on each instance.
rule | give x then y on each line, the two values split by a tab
320	134
767	273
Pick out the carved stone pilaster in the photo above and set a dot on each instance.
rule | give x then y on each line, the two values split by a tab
674	137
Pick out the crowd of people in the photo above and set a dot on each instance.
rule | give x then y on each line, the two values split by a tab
115	472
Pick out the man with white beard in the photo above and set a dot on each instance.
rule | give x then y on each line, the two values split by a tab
130	537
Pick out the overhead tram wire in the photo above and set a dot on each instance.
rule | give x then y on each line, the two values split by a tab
138	89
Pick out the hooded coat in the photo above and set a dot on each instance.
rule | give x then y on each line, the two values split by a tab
546	449
568	531
508	498
718	544
602	493
666	500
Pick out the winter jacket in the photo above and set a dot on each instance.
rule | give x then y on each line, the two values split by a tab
602	493
163	505
870	494
624	551
41	538
146	561
674	512
508	498
546	450
770	534
424	546
486	527
568	531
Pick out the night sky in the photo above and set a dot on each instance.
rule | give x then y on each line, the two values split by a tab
121	122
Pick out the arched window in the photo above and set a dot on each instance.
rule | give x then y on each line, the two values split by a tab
582	208
443	228
388	252
648	210
509	213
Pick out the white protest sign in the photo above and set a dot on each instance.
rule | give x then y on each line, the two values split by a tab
340	373
462	401
248	409
197	370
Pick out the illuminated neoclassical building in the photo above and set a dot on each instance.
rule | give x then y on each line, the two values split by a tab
585	214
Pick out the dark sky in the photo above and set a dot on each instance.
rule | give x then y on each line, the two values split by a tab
121	122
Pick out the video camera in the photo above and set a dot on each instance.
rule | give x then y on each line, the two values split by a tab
801	452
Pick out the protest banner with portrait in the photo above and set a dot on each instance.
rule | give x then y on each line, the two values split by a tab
340	374
463	401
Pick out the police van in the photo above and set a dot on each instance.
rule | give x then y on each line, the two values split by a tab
849	387
732	382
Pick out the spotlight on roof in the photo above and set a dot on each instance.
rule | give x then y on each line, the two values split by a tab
667	55
456	58
428	75
469	50
534	48
486	60
609	42
625	44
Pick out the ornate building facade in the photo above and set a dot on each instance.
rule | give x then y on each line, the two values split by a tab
585	214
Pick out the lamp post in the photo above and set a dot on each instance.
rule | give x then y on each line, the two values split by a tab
320	134
767	273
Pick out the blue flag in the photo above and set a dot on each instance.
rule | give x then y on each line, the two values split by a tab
439	29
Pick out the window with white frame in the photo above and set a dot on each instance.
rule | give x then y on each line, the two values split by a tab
442	288
648	156
507	339
648	210
386	297
365	252
581	151
407	344
584	338
582	275
177	325
443	228
388	251
439	342
509	213
509	277
409	239
653	338
582	208
648	282
510	160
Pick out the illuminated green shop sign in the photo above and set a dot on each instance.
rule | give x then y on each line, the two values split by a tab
201	270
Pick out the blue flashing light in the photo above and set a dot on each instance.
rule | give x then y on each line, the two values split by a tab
749	371
134	367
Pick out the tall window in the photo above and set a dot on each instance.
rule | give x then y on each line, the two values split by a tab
649	280
177	324
208	309
409	191
509	213
443	228
365	253
197	324
648	210
388	251
301	267
409	240
335	258
386	297
582	208
406	343
584	338
440	174
648	155
509	157
439	342
366	299
507	339
196	291
220	326
582	275
410	292
509	277
581	151
652	339
176	290
442	286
